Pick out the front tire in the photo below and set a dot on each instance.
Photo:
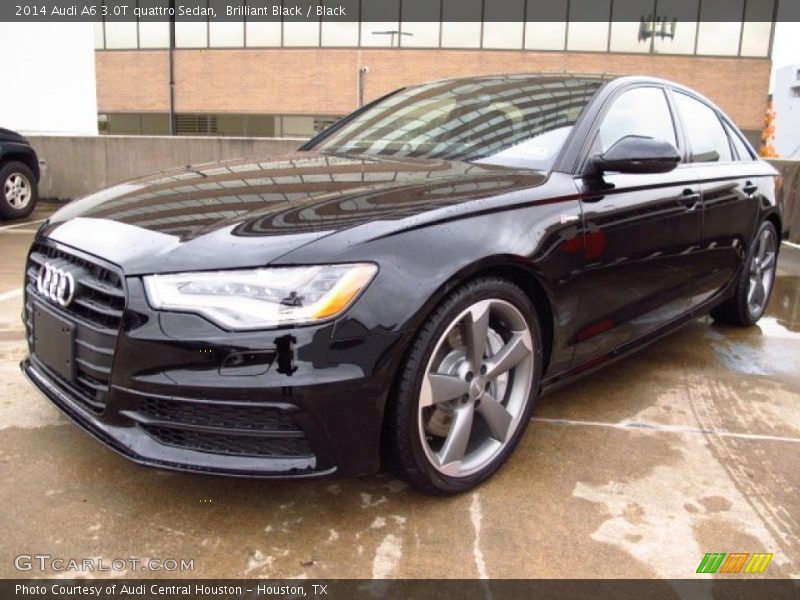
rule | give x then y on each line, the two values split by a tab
466	389
18	193
754	286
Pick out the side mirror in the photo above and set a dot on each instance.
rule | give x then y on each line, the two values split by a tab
636	154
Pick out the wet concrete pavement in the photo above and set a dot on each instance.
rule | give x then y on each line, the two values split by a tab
689	447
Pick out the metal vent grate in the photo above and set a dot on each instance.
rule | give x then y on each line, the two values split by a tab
195	124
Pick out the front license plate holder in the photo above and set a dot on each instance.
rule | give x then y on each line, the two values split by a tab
54	341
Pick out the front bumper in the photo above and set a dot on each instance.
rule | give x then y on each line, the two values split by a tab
133	443
185	395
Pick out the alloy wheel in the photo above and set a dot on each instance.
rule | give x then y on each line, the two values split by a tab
762	272
475	387
17	190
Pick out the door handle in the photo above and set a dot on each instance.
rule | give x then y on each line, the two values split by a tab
750	188
690	198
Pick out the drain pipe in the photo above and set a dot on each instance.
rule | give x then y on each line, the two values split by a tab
172	68
362	76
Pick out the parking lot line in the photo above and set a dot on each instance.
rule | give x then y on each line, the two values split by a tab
656	428
6	227
12	294
792	245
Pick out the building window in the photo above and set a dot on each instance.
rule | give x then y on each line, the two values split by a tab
226	34
680	27
220	124
794	92
376	33
422	20
190	34
757	28
589	35
99	36
121	35
153	34
263	34
633	26
305	34
461	27
714	35
546	26
681	38
503	34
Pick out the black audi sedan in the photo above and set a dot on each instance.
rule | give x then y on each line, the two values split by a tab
403	287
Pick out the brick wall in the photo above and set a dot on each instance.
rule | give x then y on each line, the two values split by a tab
324	81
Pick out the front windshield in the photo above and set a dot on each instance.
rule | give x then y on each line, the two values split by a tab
519	121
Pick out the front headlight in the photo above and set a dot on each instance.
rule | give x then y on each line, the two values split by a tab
262	298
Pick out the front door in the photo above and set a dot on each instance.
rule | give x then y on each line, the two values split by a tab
642	235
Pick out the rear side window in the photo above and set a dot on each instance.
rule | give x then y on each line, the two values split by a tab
641	111
738	145
708	141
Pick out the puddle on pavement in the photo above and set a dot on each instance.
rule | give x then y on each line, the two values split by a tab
784	308
770	347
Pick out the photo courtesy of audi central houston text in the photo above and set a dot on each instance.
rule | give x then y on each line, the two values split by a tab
403	288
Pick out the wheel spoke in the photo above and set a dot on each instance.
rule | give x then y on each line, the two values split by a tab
455	445
761	294
763	244
751	291
510	355
496	416
767	262
477	327
438	389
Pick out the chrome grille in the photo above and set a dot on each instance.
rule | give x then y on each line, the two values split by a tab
96	311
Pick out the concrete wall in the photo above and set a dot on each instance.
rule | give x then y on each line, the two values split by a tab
80	165
790	169
75	166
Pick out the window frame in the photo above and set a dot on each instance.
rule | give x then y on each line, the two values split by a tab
732	131
723	121
601	113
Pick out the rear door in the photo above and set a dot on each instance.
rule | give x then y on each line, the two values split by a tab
640	233
729	186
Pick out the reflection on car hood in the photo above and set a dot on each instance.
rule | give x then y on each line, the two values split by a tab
250	212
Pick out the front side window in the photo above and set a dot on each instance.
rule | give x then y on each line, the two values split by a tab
641	111
707	139
513	121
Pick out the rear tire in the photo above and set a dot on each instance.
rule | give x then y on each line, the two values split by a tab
478	355
753	289
18	193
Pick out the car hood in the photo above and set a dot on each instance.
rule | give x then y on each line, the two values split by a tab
249	212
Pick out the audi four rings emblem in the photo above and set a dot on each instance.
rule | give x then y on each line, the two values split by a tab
56	284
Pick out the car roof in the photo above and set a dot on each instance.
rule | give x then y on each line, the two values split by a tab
619	79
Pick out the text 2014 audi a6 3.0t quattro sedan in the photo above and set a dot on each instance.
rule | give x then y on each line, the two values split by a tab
406	284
